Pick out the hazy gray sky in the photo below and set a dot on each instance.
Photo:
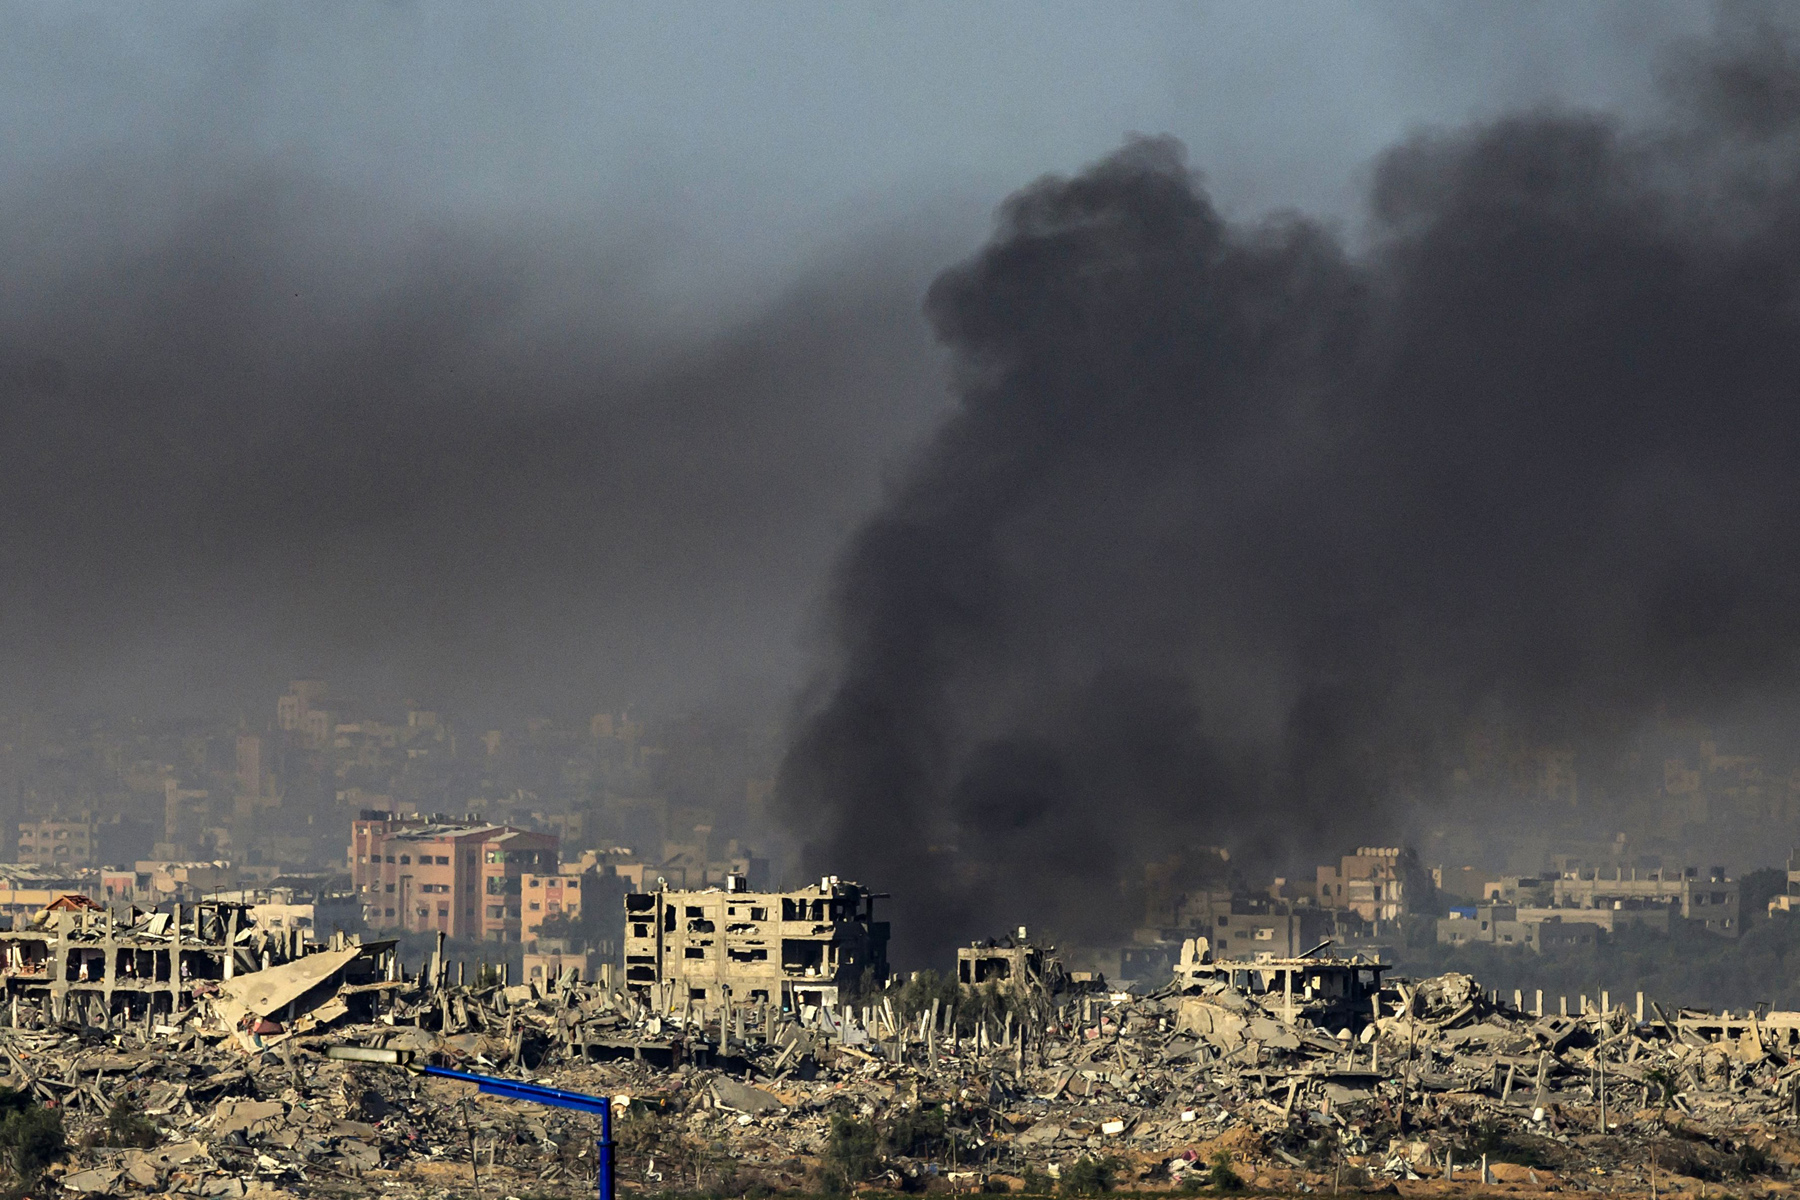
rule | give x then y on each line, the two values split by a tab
495	351
756	133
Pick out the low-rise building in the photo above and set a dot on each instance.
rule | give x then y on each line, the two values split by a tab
791	948
163	881
60	842
27	890
1650	897
1538	929
1789	900
547	896
1493	924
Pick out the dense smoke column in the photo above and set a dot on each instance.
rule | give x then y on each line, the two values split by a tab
1231	526
1027	628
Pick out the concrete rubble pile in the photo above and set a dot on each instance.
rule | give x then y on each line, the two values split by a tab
1302	1074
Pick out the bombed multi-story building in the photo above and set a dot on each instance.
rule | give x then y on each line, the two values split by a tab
79	961
790	948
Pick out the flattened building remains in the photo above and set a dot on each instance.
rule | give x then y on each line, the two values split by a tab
108	966
713	946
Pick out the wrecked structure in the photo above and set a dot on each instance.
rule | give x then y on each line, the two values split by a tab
1445	1084
1301	1074
1022	969
105	965
1327	992
791	949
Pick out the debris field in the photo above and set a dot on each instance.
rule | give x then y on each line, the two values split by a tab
1278	1073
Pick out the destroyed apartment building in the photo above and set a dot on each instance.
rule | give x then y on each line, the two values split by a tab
1310	1073
1012	963
1018	965
101	966
718	945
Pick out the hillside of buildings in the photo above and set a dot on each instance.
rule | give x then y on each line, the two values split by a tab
331	814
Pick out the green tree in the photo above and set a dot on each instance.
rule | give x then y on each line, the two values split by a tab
1090	1176
31	1136
128	1127
850	1155
1222	1177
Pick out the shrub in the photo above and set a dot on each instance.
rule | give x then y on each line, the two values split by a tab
126	1126
31	1136
1090	1177
850	1156
921	1133
1222	1177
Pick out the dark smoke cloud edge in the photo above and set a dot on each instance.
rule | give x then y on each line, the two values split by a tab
1231	523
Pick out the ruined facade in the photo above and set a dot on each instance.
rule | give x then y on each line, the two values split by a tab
1325	991
790	948
1013	963
79	960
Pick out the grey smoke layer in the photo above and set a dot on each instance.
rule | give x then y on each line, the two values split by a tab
1230	520
257	426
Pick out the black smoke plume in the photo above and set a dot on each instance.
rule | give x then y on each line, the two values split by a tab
1230	517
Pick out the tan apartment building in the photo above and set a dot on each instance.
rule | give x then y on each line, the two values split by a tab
1708	899
545	896
791	948
59	842
1377	883
302	713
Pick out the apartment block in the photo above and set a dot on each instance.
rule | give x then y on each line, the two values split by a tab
59	842
546	896
1378	883
465	880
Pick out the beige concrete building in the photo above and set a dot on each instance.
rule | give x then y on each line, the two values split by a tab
1377	883
790	948
543	896
1707	898
60	842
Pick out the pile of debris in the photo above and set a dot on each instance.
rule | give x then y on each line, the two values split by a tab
1296	1074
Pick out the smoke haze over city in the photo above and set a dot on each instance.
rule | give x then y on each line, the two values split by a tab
1078	436
1236	526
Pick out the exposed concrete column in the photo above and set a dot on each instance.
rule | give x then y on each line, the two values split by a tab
109	948
175	963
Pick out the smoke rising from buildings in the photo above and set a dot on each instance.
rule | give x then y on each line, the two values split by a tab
1230	518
